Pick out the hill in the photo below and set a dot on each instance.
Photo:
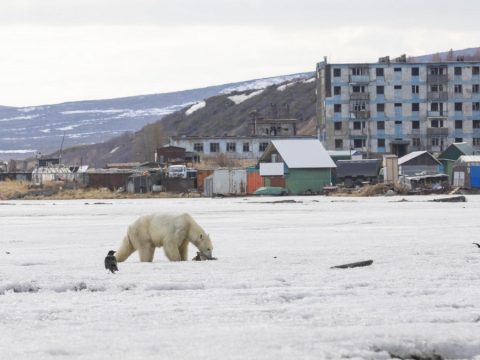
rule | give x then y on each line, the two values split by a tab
25	131
217	115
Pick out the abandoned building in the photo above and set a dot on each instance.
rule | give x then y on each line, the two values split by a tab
398	106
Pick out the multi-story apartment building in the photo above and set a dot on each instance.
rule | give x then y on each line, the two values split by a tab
398	107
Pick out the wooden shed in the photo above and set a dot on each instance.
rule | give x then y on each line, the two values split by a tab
466	172
303	164
419	163
451	155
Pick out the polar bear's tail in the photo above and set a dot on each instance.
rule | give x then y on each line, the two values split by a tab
125	250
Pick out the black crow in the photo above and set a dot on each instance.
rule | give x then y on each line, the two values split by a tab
111	262
476	244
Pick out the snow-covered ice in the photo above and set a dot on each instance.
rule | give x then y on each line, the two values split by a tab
270	295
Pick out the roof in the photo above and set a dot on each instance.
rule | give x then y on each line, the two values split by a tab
464	148
303	153
468	159
413	155
455	150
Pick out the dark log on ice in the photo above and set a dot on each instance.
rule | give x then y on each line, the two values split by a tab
202	257
352	265
460	198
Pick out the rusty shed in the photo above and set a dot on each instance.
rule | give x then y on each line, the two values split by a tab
112	179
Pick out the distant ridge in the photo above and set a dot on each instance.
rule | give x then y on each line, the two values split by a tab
27	130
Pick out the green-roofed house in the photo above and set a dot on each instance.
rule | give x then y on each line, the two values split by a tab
451	154
300	165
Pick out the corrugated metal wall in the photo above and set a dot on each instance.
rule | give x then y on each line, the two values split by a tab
230	181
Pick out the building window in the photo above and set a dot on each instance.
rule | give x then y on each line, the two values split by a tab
457	88
475	70
360	106
435	141
436	88
380	90
381	143
359	71
358	89
434	106
415	124
476	124
436	123
337	108
231	147
437	70
397	87
398	105
379	71
458	106
337	126
358	143
338	144
397	69
358	125
246	147
380	125
415	89
458	70
214	147
475	88
337	90
476	141
415	106
458	124
198	147
415	71
458	140
416	142
476	106
337	72
380	108
262	146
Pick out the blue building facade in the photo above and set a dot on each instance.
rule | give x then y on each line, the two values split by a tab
398	107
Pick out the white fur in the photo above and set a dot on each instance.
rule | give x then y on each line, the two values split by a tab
172	232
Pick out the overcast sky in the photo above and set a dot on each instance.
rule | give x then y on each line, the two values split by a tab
61	50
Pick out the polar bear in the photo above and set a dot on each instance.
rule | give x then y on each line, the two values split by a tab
173	232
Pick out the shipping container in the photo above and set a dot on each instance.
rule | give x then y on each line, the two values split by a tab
226	182
254	180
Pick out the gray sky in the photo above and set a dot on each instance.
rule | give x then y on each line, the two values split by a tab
63	50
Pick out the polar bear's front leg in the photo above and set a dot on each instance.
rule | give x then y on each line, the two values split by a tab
172	252
146	253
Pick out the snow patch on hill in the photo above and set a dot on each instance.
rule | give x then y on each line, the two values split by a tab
264	83
237	99
195	107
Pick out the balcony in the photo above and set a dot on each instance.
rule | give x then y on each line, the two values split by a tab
437	78
359	96
437	114
359	114
437	131
437	96
358	133
359	79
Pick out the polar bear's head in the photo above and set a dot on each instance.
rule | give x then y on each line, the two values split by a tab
204	244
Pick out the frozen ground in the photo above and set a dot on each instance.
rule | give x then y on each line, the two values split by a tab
271	294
